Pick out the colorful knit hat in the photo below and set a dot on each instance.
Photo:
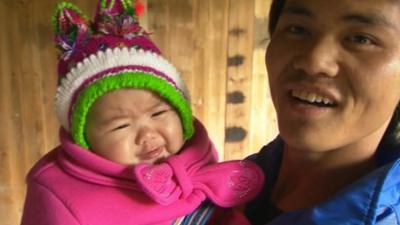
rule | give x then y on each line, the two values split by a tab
110	53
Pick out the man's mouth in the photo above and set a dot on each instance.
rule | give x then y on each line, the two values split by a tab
312	98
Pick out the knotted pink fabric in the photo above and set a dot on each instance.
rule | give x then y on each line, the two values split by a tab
195	170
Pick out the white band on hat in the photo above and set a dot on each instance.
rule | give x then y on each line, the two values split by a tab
102	61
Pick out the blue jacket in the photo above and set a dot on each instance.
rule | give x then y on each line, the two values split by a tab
373	199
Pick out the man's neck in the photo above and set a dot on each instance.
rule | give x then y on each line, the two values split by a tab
307	178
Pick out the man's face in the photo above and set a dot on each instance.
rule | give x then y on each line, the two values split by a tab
334	71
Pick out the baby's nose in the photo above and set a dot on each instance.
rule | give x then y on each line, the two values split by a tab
146	136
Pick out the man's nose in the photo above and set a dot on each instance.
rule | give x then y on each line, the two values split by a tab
319	57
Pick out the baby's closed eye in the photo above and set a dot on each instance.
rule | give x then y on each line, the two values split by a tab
160	112
119	127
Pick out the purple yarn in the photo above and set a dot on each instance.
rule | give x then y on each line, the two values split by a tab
97	43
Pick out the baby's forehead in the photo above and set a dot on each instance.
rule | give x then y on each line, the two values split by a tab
132	95
124	101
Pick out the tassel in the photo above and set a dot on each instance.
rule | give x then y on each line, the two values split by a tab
139	8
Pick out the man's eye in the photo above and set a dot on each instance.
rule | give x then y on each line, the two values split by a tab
121	127
297	30
159	113
361	39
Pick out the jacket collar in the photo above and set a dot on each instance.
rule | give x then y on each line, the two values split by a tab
83	163
358	203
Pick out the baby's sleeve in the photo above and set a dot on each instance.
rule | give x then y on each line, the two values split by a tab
43	207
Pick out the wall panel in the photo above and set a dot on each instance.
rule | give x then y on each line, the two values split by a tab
217	45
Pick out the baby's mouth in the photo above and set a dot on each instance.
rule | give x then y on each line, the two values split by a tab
312	98
149	154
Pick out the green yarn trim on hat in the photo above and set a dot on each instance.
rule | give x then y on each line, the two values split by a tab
104	4
139	80
127	5
61	6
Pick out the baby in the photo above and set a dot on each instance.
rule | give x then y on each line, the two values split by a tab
130	152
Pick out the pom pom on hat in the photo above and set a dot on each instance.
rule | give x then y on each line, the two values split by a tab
139	8
110	53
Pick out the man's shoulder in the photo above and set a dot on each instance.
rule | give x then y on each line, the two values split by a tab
269	154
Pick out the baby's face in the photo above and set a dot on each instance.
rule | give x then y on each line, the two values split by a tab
131	126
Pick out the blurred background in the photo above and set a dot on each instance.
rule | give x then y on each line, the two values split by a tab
217	45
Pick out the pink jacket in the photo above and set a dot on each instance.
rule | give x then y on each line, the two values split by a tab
71	186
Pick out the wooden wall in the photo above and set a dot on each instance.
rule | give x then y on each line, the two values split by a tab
218	45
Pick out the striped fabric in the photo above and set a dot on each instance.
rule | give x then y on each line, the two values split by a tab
198	217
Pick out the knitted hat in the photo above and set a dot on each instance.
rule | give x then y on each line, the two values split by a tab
110	53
